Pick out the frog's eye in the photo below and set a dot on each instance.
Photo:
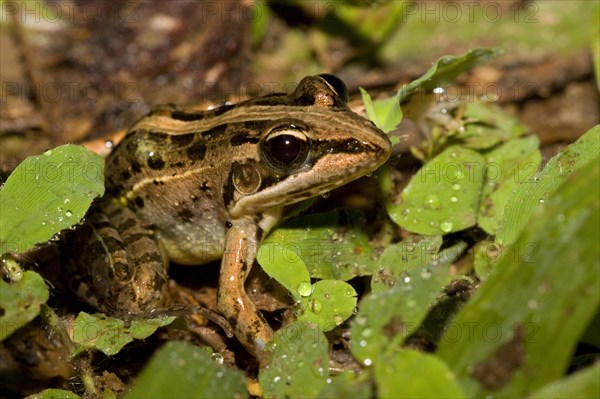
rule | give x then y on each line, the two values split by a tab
285	148
336	84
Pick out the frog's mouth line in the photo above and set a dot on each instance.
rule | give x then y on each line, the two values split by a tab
308	184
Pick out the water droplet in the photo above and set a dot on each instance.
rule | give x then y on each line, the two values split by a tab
456	187
108	144
541	200
532	304
60	209
363	344
350	292
68	213
304	289
217	358
337	319
367	362
367	332
48	153
432	202
315	305
325	195
67	201
405	277
425	274
44	223
277	379
453	199
446	226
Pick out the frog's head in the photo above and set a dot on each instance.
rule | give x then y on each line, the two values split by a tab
310	144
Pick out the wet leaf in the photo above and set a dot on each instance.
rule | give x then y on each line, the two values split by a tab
402	375
443	196
330	303
445	70
386	318
332	245
54	394
348	385
182	370
299	365
109	335
542	186
506	167
46	194
541	295
21	302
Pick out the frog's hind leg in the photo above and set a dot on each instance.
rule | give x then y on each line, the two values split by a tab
122	268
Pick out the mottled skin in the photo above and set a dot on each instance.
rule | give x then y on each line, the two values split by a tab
194	187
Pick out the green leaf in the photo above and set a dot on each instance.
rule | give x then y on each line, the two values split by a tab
281	262
386	318
21	302
299	365
445	70
330	303
412	374
543	185
506	166
46	194
541	296
54	394
348	385
385	113
332	245
443	196
109	335
582	384
487	125
182	370
398	259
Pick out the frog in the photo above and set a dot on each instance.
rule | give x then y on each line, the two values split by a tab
197	186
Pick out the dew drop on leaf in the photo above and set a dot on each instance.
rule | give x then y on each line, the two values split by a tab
304	289
432	202
316	306
446	226
217	358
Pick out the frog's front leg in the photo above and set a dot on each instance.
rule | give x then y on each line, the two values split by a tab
240	251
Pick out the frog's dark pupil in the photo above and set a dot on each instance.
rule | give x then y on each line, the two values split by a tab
285	148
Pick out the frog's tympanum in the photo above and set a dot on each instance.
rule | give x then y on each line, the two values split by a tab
197	186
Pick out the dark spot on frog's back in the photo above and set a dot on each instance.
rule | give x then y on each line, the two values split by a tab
156	162
182	139
185	215
139	202
196	151
136	167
